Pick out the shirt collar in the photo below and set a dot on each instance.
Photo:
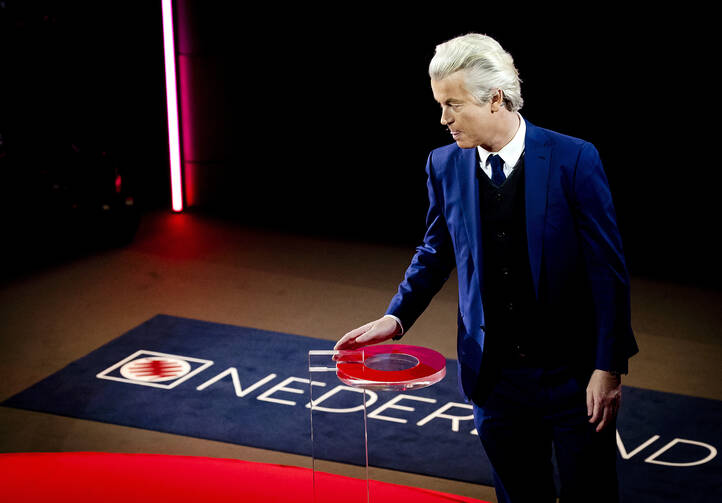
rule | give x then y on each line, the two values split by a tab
512	151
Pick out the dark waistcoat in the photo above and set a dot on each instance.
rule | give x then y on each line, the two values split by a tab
512	312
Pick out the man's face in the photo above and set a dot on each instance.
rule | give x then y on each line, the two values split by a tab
469	123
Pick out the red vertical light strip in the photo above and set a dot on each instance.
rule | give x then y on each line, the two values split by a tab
172	105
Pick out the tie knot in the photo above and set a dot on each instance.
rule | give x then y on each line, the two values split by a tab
495	161
497	169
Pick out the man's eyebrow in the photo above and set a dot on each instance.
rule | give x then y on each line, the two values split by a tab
449	101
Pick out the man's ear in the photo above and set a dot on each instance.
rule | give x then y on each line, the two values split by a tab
497	101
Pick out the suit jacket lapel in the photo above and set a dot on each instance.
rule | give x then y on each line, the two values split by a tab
537	157
466	172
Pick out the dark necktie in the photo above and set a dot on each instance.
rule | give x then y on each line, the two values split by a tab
497	170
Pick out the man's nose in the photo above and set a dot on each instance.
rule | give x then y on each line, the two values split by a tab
446	118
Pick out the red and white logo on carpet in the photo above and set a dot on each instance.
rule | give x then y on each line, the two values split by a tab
155	369
150	368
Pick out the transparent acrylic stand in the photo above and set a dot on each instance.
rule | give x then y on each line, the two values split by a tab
350	380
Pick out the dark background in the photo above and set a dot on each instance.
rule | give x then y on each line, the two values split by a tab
319	120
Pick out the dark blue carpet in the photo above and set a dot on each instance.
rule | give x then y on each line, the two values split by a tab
667	442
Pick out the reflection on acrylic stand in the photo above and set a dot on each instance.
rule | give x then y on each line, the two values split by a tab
337	419
387	367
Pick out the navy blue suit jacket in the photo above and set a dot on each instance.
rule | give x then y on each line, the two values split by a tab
575	251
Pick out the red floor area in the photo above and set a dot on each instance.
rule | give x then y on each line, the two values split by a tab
115	478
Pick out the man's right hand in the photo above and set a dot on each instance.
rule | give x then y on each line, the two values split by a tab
374	332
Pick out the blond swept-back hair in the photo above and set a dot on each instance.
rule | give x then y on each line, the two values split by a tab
487	67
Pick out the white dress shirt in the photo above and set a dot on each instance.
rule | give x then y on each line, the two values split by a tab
509	153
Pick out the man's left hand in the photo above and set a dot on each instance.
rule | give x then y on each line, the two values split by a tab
604	396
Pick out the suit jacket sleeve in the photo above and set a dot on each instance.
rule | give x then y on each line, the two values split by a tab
432	263
606	269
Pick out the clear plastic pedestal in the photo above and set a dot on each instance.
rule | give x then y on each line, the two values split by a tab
350	380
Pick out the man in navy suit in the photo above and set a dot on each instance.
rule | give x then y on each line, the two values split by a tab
544	333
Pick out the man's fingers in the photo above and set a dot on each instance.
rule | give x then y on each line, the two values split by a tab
367	336
356	338
349	339
605	417
370	333
349	344
603	398
611	408
596	409
358	331
378	331
345	341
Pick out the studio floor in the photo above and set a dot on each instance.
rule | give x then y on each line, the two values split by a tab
197	266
